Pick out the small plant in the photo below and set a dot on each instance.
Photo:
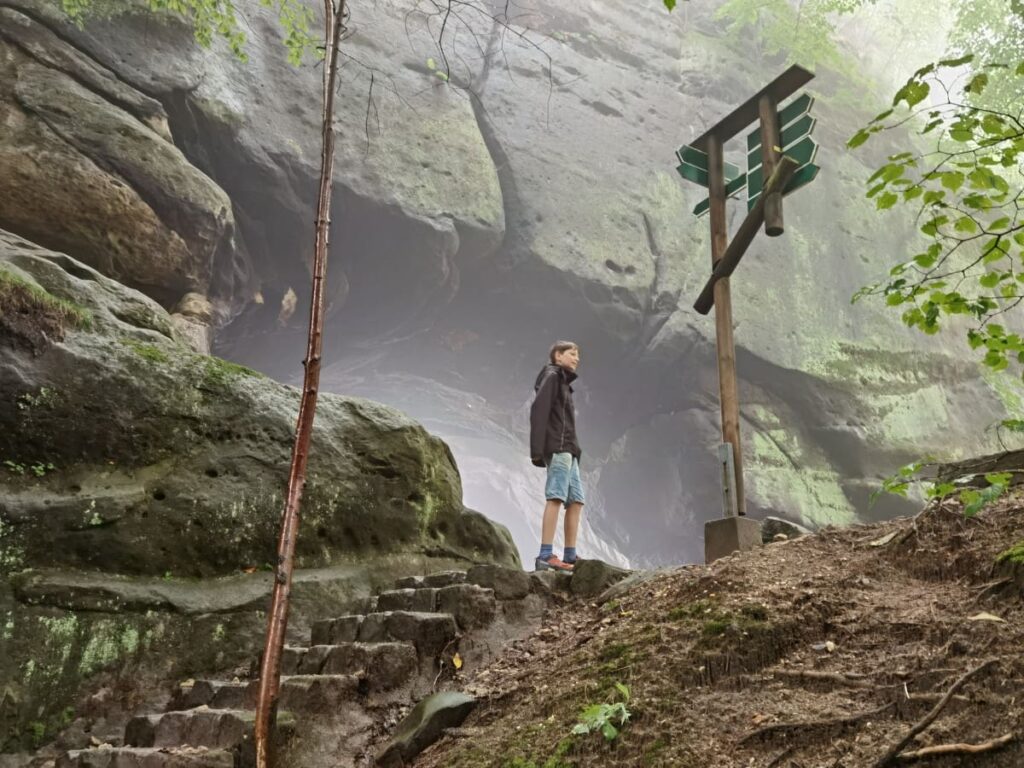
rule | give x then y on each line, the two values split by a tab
1014	554
602	717
973	499
37	468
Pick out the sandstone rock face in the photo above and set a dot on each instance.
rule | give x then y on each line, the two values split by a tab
141	488
88	166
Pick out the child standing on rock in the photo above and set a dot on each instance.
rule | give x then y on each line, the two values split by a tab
553	444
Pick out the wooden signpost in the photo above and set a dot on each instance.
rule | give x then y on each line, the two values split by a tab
780	159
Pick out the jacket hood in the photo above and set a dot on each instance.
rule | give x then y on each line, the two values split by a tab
570	376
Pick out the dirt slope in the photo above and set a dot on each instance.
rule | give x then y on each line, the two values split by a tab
734	664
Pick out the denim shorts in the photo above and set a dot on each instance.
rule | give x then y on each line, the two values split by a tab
564	482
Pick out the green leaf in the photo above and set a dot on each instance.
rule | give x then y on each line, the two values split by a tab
609	731
670	4
967	225
858	138
978	83
1000	223
887	200
924	260
989	280
952	180
914	92
958	62
623	690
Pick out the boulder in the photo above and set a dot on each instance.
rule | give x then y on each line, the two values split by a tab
424	725
592	577
141	488
772	527
507	583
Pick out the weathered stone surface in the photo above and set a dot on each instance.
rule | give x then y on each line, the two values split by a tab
383	665
179	463
430	632
471	605
216	729
444	578
772	526
507	583
423	599
374	628
344	629
131	204
131	757
592	577
167	466
424	725
547	582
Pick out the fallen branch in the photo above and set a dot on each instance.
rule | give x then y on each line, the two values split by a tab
814	725
927	720
959	749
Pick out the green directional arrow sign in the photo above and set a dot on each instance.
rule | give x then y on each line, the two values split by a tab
803	176
804	152
789	136
798	107
732	188
694	166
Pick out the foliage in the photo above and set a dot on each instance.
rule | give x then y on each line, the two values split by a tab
973	499
213	18
601	717
805	32
965	188
37	468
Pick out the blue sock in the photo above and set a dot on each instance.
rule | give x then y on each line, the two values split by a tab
545	551
570	555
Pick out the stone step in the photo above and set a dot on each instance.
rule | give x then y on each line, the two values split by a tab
298	693
507	583
439	579
344	629
134	757
472	606
383	665
423	600
429	632
202	727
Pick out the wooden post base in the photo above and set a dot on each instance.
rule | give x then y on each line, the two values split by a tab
725	536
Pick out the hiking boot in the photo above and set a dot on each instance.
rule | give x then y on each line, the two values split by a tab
551	564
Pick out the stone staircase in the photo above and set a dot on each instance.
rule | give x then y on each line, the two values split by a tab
358	675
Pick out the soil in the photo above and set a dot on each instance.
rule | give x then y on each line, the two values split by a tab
820	652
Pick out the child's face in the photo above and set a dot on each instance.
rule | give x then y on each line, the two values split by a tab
569	359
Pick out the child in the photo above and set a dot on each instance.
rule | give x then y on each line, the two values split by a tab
553	444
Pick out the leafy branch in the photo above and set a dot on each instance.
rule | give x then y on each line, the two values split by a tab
216	18
966	189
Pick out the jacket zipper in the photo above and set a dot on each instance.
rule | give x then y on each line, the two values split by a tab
561	442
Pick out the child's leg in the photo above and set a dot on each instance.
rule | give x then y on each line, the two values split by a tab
573	510
547	535
555	491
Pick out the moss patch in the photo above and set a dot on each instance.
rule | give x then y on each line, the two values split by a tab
149	352
31	317
1014	554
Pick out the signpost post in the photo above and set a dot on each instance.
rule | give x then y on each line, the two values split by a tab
780	159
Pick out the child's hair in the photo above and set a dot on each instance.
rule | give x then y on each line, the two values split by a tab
560	346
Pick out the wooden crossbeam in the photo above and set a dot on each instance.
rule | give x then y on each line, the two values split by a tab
745	234
781	88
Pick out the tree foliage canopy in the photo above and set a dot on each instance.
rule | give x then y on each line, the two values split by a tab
213	18
963	179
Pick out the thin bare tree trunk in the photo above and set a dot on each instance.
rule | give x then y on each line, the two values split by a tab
277	620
